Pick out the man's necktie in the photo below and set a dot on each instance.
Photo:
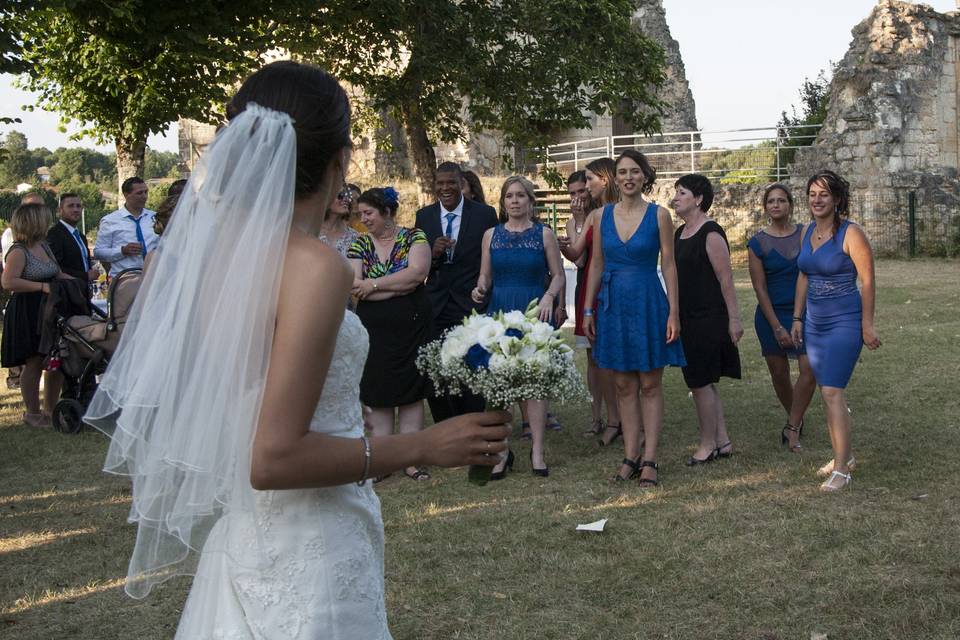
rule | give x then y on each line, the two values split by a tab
449	234
143	243
83	249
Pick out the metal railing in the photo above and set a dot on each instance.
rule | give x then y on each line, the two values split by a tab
736	155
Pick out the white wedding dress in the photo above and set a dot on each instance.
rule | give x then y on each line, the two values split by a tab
322	577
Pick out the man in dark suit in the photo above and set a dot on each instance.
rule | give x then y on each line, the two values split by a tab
69	246
454	226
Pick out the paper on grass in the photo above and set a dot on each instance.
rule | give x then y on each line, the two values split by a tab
593	526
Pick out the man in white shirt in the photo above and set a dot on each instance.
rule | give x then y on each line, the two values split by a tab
126	235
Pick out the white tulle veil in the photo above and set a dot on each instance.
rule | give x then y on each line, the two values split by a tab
182	393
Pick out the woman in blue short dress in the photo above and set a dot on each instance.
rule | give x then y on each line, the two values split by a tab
773	255
839	318
638	328
519	256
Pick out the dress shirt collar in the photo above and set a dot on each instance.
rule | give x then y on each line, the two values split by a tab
69	226
126	212
457	210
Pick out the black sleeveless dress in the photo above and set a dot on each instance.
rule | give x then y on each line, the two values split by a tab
21	318
704	322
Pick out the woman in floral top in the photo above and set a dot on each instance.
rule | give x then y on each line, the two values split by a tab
390	264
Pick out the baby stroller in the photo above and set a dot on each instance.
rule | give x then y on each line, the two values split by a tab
84	345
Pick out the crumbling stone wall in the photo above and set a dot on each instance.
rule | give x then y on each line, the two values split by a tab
892	121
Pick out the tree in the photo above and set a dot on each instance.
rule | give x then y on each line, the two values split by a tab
18	165
158	164
78	165
800	130
527	69
126	69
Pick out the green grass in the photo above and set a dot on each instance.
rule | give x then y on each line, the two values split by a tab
745	548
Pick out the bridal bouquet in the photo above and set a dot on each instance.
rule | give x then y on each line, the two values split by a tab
506	357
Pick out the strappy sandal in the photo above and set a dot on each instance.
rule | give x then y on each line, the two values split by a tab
785	440
827	469
552	423
634	470
419	474
525	433
829	487
595	430
718	452
647	483
618	431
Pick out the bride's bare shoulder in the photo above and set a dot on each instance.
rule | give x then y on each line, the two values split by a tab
311	263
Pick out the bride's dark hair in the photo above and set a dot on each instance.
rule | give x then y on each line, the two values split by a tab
318	106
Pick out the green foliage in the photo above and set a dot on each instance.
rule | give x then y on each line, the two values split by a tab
552	176
159	164
128	68
18	163
527	69
77	165
157	194
799	132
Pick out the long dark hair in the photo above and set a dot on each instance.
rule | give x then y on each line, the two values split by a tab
649	173
476	189
318	106
839	189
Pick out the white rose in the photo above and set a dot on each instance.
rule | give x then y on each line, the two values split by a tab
515	320
541	333
509	345
527	353
453	349
490	333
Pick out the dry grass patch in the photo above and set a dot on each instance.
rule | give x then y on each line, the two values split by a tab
741	549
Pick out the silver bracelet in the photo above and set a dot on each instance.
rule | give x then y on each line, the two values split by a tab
366	461
587	313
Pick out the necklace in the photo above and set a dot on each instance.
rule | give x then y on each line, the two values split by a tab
820	234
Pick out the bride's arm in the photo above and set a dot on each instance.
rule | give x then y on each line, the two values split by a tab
286	455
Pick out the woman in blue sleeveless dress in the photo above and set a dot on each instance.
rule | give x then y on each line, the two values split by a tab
772	258
638	323
518	256
839	318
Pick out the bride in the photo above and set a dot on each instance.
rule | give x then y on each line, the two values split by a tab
232	401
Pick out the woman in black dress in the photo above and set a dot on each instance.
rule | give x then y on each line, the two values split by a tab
390	264
710	324
29	267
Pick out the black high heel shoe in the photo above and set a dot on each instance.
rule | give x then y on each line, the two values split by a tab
543	473
646	483
784	440
500	475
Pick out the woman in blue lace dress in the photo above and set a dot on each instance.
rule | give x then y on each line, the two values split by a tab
773	253
518	256
638	326
839	318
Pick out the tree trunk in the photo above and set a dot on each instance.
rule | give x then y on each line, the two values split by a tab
130	156
423	158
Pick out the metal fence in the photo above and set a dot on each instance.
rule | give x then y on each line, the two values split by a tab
736	155
899	224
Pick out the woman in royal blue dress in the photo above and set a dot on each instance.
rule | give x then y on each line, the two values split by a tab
518	256
839	318
773	253
638	324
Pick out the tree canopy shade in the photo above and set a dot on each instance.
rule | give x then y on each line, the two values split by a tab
528	69
125	69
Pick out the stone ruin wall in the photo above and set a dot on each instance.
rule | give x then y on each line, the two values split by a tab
892	122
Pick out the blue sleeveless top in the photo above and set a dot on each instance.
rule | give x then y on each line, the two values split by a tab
830	272
519	268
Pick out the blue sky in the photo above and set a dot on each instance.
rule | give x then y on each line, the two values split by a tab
745	61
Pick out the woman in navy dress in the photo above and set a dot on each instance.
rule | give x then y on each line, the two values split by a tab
518	256
839	318
773	255
709	315
638	324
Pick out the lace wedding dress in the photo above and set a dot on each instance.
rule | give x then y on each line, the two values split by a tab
323	572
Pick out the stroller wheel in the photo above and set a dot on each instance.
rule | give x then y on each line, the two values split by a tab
68	416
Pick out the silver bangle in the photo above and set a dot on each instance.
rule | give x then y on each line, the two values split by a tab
366	461
587	313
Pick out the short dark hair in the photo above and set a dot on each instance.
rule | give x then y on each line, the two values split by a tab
839	189
318	106
450	167
577	176
128	184
65	196
377	198
699	186
649	173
